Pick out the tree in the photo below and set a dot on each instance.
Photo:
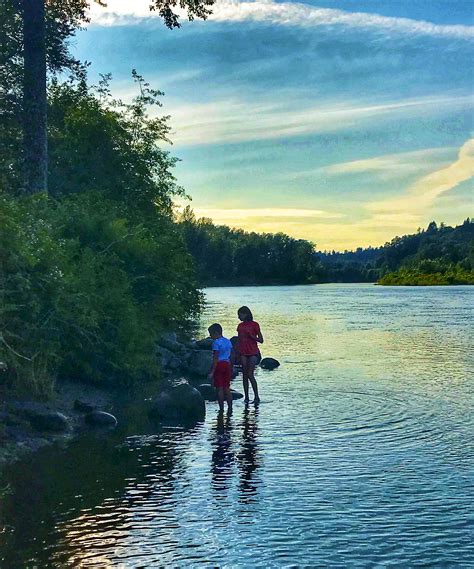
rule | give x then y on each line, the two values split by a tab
34	81
34	96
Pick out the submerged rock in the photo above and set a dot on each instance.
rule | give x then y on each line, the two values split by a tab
100	419
269	363
182	403
53	422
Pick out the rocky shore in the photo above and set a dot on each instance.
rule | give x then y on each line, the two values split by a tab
179	395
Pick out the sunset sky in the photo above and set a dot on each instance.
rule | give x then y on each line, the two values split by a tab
345	122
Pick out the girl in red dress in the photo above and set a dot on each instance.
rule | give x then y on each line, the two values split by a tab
249	335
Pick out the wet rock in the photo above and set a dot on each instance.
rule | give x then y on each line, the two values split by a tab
53	422
208	391
205	344
210	394
199	362
83	407
100	419
182	403
269	363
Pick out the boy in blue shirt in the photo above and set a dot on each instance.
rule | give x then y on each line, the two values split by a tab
221	371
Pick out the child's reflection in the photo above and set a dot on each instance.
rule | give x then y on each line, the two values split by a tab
222	455
248	457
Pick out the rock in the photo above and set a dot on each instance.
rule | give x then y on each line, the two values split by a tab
269	363
182	403
207	391
200	362
100	419
210	394
167	359
205	344
83	407
53	421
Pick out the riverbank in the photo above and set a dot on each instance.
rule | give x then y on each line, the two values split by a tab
28	424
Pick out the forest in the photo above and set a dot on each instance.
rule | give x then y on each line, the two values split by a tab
95	262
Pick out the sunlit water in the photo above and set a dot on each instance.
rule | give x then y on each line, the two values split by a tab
360	455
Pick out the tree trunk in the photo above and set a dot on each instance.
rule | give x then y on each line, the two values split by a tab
34	97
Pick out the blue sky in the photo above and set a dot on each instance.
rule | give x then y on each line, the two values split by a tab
345	122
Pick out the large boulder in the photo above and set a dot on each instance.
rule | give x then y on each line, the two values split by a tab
181	403
167	359
210	394
100	419
53	422
269	363
199	362
205	344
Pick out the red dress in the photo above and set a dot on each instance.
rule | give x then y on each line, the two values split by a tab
248	346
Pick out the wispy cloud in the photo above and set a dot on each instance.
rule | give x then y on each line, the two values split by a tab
221	215
423	193
287	14
229	121
389	166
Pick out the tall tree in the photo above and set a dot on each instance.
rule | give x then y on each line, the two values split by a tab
34	83
34	96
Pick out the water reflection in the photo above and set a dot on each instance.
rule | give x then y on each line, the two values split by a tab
222	454
249	455
236	444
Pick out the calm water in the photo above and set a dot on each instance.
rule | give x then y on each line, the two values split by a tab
360	455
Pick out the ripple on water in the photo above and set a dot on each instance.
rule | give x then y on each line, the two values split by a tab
361	454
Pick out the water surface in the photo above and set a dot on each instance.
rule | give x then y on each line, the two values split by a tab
360	455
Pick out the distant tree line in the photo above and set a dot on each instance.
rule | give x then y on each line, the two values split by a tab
435	255
226	256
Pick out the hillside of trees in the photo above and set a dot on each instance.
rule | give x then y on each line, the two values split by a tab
226	256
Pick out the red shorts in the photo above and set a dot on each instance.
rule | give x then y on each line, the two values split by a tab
222	375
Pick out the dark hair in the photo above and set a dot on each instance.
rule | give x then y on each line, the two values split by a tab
248	313
215	328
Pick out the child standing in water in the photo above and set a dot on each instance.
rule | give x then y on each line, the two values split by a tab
221	371
249	335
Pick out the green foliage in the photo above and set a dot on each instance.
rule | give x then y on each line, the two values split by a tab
90	276
437	256
86	291
229	256
443	250
96	142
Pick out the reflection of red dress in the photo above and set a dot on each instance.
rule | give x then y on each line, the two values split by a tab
248	346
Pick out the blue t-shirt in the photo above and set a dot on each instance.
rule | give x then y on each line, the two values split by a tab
223	347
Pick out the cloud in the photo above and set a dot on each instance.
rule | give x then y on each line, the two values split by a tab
286	14
228	121
226	215
423	193
390	164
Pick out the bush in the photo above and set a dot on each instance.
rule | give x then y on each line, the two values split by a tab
86	289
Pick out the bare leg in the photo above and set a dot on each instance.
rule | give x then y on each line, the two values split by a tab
228	396
253	381
245	378
220	398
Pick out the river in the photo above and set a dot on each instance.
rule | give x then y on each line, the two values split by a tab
360	455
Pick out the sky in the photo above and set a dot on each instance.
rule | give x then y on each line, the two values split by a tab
345	122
